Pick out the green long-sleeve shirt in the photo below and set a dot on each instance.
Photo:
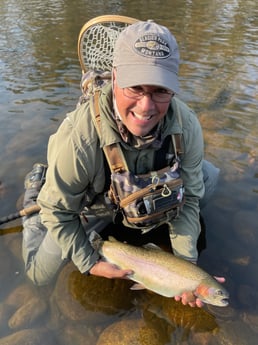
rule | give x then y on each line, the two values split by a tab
76	174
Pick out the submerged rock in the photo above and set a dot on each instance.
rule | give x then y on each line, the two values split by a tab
164	321
28	314
22	308
6	269
76	335
29	337
6	312
178	315
89	298
130	332
21	295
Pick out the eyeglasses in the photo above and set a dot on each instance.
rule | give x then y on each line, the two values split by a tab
158	96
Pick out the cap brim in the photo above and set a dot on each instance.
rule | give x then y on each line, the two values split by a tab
133	75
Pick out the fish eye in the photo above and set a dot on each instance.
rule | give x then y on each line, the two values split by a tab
219	293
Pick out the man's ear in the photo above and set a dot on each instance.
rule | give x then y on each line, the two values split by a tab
113	75
113	79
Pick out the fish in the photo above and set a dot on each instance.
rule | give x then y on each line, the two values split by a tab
159	271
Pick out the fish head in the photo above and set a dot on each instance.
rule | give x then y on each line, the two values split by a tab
212	294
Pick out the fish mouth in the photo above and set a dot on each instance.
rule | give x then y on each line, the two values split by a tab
223	298
224	302
219	301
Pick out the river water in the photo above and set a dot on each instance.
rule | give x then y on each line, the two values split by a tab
39	84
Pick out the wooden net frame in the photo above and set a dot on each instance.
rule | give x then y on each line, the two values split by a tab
97	39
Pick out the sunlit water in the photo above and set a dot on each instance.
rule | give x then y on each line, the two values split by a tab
39	83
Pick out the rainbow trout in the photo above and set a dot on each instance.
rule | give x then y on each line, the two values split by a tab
160	271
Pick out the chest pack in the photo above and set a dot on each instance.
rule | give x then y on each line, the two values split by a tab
141	201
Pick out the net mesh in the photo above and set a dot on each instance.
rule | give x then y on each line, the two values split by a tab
97	45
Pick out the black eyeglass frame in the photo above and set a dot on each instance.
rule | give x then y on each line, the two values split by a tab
139	94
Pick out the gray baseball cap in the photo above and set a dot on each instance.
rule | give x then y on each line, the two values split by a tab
146	53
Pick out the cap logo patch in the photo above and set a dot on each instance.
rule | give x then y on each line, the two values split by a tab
152	45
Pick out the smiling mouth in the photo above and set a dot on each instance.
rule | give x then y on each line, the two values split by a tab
140	117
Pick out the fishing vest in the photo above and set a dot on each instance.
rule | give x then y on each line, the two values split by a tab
141	201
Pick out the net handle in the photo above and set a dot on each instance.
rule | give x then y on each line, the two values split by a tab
98	20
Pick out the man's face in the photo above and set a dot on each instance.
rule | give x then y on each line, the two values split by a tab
142	115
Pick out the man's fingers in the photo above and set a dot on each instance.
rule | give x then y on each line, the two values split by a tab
220	279
199	303
188	298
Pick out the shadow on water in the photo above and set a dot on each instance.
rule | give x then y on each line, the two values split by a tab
39	83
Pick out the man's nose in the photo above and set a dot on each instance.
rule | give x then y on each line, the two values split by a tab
146	103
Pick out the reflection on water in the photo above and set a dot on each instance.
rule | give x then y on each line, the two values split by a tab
39	83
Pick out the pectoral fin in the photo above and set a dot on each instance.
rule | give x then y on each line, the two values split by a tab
152	246
137	286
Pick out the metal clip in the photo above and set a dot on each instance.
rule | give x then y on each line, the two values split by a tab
155	180
166	191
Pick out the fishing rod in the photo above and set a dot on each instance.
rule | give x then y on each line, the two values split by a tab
24	212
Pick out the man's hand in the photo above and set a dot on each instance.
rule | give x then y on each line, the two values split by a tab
190	299
107	270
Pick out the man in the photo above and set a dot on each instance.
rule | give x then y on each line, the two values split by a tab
139	111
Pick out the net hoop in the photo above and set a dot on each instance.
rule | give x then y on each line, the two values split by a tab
96	41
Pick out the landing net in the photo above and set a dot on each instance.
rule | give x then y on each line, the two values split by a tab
97	39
